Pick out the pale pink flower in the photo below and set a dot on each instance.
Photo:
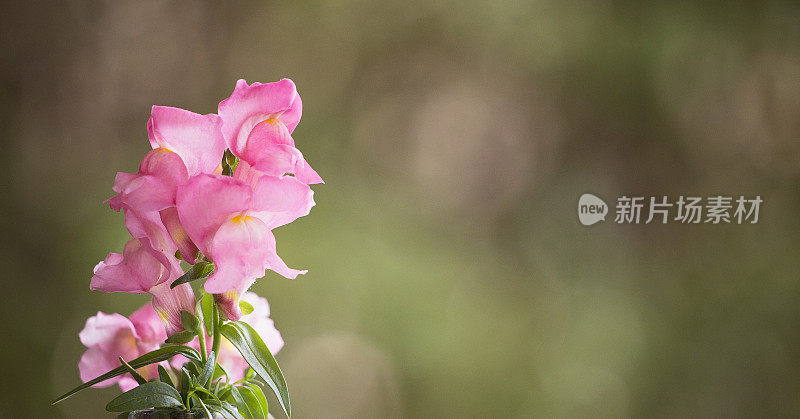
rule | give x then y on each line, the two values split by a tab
231	223
137	271
110	336
258	121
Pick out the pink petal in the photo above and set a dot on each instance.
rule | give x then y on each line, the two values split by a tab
101	330
126	382
168	303
279	201
172	223
153	188
166	165
270	149
148	325
277	265
122	180
304	173
280	159
246	173
196	138
156	239
228	303
144	193
239	250
276	160
96	362
136	270
206	202
249	105
260	321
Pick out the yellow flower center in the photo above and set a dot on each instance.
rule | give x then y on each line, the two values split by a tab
241	219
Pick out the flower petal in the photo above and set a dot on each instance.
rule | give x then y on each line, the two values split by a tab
240	250
279	201
96	362
206	202
260	321
136	270
196	138
153	188
148	325
172	223
249	105
149	228
304	173
168	303
101	330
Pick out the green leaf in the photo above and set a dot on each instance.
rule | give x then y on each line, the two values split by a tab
192	369
246	307
220	372
256	353
152	357
163	375
247	403
227	410
181	337
208	370
199	270
136	376
205	408
185	383
227	170
190	322
262	399
229	158
145	396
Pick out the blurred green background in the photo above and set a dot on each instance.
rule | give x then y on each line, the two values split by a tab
449	276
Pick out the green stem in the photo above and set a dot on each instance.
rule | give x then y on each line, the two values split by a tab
201	337
217	324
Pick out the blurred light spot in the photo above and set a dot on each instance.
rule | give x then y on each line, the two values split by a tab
474	148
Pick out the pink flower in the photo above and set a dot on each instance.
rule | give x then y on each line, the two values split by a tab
137	271
257	124
229	357
231	223
109	336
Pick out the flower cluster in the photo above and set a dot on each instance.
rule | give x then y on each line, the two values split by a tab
209	193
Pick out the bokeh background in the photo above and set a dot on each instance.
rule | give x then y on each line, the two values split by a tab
449	276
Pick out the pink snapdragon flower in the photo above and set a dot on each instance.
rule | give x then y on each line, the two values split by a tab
137	271
229	357
231	222
109	336
258	121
